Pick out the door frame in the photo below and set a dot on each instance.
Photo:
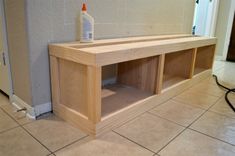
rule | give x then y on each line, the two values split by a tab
5	46
212	14
229	30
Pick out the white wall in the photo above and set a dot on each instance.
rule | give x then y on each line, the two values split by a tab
18	48
51	21
1	35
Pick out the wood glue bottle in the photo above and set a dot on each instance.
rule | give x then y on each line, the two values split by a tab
87	26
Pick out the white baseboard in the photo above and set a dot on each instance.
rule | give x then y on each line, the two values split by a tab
32	112
42	108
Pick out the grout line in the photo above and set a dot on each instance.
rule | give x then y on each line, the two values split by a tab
51	154
36	139
71	143
218	113
155	154
171	140
18	125
185	128
195	106
22	126
188	125
156	115
11	116
211	136
202	114
192	105
134	142
182	131
132	119
28	132
9	129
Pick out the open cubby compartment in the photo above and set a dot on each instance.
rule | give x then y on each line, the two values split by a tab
126	83
177	67
204	58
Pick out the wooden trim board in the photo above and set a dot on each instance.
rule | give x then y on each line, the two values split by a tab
103	42
110	54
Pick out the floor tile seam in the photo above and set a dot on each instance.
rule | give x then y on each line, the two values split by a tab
187	104
20	126
213	104
36	139
132	119
211	136
156	115
192	105
197	118
203	93
14	118
171	141
7	130
136	143
11	117
74	142
221	114
186	128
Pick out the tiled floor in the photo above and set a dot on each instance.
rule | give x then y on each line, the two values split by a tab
198	122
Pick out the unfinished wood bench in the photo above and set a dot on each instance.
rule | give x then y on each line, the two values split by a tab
98	86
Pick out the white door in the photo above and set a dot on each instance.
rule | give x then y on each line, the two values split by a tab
205	17
4	72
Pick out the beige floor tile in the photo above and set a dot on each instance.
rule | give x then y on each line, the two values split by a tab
209	80
208	88
191	143
177	112
226	75
17	142
20	117
53	132
6	122
217	126
150	131
222	107
3	100
196	99
226	79
110	144
218	65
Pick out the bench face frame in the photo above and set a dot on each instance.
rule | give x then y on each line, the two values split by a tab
155	68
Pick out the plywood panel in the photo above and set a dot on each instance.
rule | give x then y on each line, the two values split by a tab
139	73
205	56
170	80
178	63
116	97
109	71
73	86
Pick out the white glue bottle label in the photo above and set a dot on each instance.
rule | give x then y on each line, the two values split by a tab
87	26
